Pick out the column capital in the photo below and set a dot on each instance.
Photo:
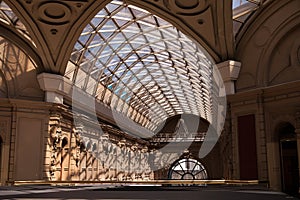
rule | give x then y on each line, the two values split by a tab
55	87
229	71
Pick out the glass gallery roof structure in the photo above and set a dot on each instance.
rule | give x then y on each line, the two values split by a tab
139	65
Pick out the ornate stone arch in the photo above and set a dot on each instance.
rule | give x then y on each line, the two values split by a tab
23	43
258	43
19	61
55	25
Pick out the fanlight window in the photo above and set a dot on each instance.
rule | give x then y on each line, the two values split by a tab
188	169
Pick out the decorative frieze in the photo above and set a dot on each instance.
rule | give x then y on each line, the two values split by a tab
94	154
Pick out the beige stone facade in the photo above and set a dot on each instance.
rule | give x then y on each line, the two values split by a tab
42	137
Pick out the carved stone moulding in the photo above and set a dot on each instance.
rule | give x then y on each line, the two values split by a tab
184	7
54	13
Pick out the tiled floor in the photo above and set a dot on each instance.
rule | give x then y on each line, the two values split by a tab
106	192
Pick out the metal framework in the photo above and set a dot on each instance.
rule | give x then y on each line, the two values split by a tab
142	66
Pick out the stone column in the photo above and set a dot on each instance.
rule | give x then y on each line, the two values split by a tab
229	71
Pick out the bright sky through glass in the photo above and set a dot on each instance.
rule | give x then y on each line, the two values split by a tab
237	3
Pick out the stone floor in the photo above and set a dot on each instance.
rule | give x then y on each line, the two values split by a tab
107	192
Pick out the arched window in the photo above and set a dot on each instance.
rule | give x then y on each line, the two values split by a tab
187	169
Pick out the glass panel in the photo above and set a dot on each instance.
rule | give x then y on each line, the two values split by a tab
237	3
97	40
83	38
96	20
112	7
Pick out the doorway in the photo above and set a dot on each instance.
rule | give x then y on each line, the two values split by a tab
289	159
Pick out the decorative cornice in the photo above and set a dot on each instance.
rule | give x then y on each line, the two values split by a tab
269	94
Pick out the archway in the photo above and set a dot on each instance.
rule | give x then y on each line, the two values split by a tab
288	158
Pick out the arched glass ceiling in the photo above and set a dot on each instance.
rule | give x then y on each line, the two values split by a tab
8	17
142	66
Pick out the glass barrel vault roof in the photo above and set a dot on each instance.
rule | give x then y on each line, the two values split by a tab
141	66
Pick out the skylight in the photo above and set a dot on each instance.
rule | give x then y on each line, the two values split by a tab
142	66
